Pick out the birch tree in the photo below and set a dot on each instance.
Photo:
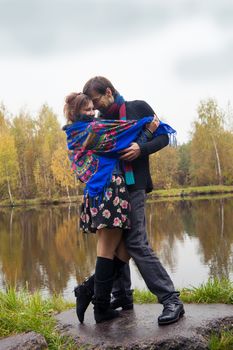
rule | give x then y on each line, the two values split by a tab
8	162
23	129
62	170
49	138
206	167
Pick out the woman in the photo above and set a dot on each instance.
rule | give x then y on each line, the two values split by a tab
95	147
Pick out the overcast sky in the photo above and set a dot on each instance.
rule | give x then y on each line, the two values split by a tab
170	53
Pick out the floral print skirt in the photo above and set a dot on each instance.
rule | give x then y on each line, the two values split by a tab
112	211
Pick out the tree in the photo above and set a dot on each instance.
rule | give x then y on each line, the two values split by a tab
184	164
206	164
226	156
48	139
62	170
23	130
164	168
8	161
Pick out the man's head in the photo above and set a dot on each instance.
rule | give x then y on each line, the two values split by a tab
101	91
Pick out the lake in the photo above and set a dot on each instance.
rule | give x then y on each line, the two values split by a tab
41	247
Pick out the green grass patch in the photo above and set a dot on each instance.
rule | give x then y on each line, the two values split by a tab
191	191
40	201
213	291
173	192
223	341
144	297
23	312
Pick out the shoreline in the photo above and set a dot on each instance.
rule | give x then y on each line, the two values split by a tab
173	193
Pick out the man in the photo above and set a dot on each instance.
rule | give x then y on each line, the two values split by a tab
107	100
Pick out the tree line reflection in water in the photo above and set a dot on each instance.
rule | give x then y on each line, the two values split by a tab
208	220
42	246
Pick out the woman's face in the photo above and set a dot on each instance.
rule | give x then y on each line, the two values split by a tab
88	109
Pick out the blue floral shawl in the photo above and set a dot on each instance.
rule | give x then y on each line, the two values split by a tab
94	146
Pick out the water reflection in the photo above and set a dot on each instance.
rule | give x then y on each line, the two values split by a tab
42	246
206	222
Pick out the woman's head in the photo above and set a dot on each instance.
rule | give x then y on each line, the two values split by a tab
77	104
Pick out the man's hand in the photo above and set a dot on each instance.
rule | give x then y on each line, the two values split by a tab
131	153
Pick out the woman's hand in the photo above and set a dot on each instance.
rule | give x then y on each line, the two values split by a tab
152	126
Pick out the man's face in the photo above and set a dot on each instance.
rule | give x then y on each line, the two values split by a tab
102	102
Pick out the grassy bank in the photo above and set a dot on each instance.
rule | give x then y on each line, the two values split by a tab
223	341
191	191
40	201
22	311
170	193
213	291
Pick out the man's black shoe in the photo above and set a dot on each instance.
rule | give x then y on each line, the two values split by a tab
122	299
171	313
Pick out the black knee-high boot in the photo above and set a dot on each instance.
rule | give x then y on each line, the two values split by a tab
121	298
84	293
104	276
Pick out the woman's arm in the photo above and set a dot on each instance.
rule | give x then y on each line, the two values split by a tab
147	133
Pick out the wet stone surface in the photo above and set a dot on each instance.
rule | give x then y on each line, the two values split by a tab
24	341
138	328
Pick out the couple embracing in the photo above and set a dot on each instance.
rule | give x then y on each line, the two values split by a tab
110	154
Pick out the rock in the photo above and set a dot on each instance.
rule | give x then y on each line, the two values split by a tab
24	341
138	329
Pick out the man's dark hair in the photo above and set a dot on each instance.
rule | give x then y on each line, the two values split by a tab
98	84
